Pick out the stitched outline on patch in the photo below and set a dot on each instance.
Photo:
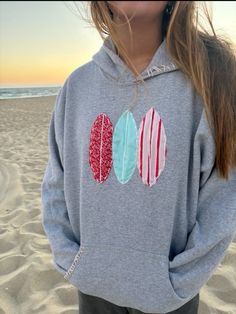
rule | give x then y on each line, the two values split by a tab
100	161
126	132
73	265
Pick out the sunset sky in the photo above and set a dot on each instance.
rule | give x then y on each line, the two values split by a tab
42	42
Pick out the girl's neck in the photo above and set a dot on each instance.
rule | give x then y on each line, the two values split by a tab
147	38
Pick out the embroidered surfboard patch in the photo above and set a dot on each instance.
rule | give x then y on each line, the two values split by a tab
100	147
152	149
124	147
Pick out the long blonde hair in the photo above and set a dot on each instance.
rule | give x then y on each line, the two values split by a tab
208	60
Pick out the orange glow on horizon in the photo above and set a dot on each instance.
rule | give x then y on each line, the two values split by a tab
38	71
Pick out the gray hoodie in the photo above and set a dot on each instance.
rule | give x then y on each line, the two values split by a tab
133	207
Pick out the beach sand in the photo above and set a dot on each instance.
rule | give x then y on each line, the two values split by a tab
29	282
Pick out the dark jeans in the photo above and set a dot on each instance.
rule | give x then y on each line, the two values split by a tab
89	304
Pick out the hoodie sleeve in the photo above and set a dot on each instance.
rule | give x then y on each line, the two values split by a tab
215	224
55	218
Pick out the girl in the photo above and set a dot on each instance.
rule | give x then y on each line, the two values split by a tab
139	193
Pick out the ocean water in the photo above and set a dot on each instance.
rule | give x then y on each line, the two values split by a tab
24	92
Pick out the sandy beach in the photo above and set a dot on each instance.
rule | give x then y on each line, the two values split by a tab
29	282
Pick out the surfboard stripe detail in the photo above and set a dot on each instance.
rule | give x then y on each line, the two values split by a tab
152	147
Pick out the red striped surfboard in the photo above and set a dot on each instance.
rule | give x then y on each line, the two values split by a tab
100	147
152	149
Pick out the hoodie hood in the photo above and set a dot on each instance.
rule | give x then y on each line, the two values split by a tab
113	66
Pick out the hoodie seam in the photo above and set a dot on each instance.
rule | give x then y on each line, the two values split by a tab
71	269
149	73
159	69
123	248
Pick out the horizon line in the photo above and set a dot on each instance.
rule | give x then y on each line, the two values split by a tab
28	86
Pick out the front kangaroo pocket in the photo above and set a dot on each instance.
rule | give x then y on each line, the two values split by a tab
126	277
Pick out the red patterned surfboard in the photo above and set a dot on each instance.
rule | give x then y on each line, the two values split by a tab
100	147
152	148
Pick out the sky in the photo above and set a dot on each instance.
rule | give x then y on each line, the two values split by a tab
42	42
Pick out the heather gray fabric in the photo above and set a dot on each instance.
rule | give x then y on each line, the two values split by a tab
148	248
